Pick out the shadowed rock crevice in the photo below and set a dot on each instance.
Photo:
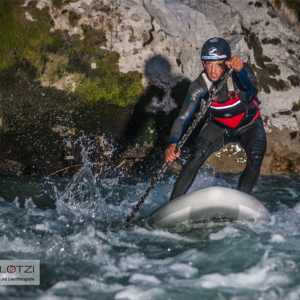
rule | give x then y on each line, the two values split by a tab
264	69
151	37
295	81
273	41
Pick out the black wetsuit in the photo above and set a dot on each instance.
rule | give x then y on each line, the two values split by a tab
233	117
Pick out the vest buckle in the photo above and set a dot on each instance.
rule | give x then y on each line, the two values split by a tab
232	95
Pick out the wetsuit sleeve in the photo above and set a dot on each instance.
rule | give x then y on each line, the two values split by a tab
247	78
194	96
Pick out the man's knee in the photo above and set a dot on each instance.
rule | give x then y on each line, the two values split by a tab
256	153
200	149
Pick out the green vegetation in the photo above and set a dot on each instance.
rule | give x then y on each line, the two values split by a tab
110	85
74	18
35	60
148	133
60	3
20	37
32	41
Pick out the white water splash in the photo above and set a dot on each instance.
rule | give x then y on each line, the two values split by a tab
81	198
29	204
260	277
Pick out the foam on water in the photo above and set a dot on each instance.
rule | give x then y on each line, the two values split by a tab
277	238
82	288
86	253
144	279
164	234
227	232
138	293
261	277
205	178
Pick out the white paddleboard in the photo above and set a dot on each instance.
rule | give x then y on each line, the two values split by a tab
210	204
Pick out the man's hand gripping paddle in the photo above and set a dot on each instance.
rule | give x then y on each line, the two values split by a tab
180	144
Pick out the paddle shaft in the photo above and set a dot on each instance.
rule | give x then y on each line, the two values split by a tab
179	145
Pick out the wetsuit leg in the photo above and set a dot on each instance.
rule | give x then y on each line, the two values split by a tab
254	142
209	140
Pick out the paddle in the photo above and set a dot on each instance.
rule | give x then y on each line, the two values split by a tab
180	144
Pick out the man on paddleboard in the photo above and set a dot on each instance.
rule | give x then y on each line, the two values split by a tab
233	116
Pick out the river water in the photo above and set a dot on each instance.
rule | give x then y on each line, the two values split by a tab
74	227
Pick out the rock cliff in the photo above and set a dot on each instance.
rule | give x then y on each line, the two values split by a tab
121	68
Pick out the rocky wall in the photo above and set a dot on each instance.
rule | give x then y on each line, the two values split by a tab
121	69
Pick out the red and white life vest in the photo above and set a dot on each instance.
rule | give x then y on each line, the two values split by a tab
235	110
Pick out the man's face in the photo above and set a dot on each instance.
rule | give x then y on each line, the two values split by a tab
215	69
